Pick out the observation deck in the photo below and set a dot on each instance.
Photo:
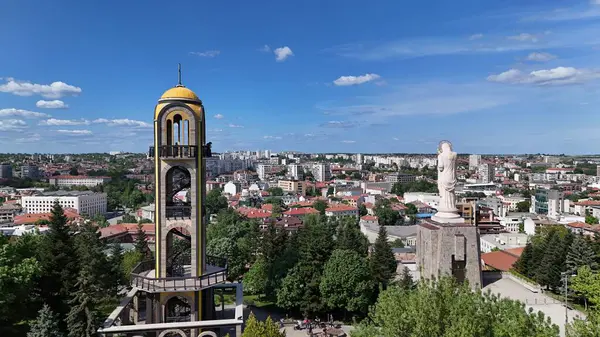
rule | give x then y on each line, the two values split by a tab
142	277
180	151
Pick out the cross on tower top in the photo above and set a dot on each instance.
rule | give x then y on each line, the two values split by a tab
179	75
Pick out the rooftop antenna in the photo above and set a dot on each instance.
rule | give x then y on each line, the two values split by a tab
179	75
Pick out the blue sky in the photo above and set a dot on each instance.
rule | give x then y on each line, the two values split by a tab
311	75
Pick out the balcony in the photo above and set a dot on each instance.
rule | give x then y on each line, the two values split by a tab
178	212
142	277
180	151
175	151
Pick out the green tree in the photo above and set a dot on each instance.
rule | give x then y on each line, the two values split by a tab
523	206
406	281
362	210
330	190
275	191
524	264
320	206
551	264
350	237
141	241
587	284
18	278
346	284
589	327
82	320
444	308
397	244
300	288
589	219
116	277
382	261
356	176
215	202
130	260
411	209
385	214
45	325
256	328
59	264
256	279
580	254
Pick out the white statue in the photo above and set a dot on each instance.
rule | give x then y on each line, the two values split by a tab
446	182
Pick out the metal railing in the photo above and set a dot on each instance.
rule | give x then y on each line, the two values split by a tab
175	151
180	211
141	280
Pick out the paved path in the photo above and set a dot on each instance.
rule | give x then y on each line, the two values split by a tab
538	301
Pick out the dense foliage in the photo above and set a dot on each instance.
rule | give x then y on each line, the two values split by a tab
444	308
556	250
65	275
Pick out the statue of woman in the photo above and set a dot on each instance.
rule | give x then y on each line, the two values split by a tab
446	178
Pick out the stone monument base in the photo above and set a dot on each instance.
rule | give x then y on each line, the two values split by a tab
447	217
447	248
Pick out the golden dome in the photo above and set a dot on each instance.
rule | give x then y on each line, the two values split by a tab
180	92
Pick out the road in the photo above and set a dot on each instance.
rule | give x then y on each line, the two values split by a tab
538	301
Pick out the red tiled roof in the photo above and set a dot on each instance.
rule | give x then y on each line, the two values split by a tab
369	205
301	211
130	228
588	203
499	260
31	218
369	218
341	209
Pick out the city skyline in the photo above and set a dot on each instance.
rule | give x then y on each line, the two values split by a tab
310	77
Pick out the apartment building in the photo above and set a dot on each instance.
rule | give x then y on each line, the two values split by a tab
5	171
474	161
85	202
296	171
30	171
401	178
486	173
322	172
549	202
68	181
341	211
293	186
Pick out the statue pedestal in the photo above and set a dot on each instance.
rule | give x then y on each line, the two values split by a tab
447	217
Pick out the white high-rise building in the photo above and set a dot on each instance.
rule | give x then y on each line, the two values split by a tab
296	171
359	158
474	161
322	172
486	173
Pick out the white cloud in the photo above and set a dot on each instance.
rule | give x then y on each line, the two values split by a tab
265	49
22	113
272	137
75	132
55	104
353	80
476	36
52	90
348	141
32	138
541	57
208	53
219	116
215	130
340	124
524	37
282	53
122	122
64	122
555	76
12	124
235	126
396	138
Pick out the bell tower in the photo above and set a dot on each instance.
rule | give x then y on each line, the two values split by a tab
175	292
182	272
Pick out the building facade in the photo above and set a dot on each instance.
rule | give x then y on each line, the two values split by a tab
68	181
86	202
6	171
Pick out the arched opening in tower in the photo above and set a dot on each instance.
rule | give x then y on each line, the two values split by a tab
177	198
177	129
179	252
178	309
